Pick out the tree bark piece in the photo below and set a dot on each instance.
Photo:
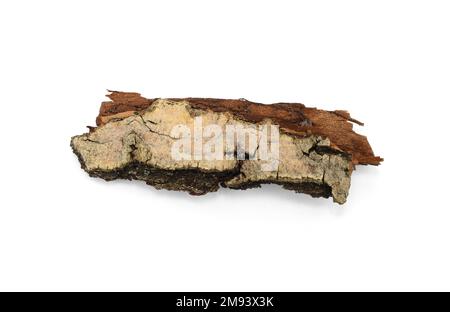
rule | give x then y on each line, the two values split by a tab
318	149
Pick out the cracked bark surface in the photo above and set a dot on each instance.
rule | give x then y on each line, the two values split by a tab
318	149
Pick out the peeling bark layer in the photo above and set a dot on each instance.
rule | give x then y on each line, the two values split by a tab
317	149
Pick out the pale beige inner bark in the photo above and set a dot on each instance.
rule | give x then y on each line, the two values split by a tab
146	137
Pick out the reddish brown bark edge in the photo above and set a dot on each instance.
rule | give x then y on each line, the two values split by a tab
293	118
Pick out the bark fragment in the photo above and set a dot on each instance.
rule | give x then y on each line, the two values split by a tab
317	149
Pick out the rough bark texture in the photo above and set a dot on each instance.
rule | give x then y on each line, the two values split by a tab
317	149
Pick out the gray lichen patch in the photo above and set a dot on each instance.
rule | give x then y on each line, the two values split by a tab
139	147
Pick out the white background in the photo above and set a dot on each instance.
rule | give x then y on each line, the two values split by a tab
387	62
